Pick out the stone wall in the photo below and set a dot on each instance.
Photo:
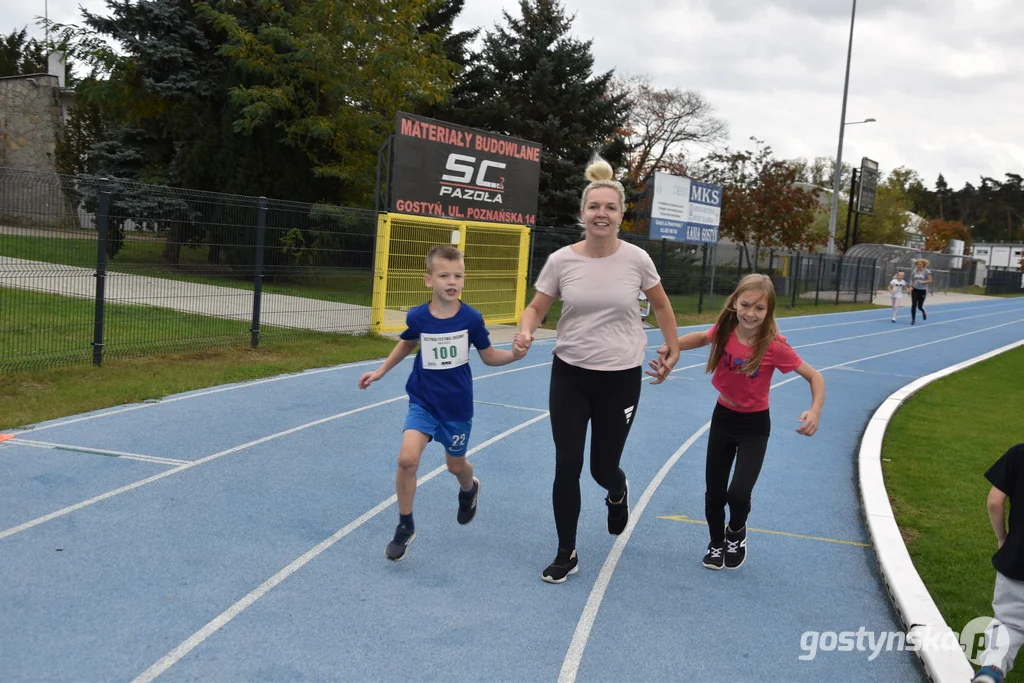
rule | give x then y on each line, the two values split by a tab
31	117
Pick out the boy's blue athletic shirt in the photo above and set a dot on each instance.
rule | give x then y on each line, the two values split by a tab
441	381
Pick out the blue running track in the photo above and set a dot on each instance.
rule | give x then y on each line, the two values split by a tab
238	533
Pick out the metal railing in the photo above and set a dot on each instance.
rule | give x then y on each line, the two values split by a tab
700	278
1004	281
94	268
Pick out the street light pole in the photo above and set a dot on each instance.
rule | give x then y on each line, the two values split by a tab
839	152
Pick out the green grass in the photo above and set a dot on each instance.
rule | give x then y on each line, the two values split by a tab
37	325
685	308
145	257
34	396
935	455
82	252
62	328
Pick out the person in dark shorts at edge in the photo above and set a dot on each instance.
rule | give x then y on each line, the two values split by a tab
597	372
1005	634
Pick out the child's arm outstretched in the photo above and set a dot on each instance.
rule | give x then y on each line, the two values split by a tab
693	340
997	514
688	342
493	356
402	349
809	418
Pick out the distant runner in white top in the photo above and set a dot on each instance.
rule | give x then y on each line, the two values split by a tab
896	286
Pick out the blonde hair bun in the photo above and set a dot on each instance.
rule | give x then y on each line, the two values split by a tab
599	170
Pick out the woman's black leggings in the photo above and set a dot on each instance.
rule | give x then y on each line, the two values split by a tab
742	437
917	301
608	401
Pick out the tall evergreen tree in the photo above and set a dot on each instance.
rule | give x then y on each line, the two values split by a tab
164	93
21	55
439	20
532	80
287	100
328	77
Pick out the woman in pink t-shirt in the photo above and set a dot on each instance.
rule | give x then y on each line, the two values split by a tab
746	348
598	360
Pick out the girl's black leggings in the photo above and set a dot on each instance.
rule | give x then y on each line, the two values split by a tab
917	301
742	437
608	401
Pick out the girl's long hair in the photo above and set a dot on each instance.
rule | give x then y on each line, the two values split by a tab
727	322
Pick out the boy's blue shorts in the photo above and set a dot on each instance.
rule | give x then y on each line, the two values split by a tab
454	436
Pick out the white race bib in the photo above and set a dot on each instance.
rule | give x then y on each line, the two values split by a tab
444	351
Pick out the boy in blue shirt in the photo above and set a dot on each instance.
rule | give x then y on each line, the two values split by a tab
440	387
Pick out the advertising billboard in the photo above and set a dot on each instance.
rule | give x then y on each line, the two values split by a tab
866	186
685	210
449	171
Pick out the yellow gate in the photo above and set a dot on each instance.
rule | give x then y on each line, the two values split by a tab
496	257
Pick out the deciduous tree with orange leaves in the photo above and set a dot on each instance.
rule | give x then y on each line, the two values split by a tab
762	206
937	234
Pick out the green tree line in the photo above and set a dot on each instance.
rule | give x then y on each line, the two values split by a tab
293	99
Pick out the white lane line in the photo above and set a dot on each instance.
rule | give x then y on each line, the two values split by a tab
876	372
571	663
233	387
196	394
574	655
901	328
887	310
131	487
305	373
870	334
917	346
78	506
506	405
218	622
946	308
99	451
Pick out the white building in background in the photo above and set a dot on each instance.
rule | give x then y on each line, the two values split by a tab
998	255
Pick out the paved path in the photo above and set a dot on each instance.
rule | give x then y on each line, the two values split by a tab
933	298
281	310
187	297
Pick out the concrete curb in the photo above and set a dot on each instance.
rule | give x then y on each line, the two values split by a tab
921	617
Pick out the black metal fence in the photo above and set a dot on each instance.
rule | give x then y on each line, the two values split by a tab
92	268
700	278
1004	281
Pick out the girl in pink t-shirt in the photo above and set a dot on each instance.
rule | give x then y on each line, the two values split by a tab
746	348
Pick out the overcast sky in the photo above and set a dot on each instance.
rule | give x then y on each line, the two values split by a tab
944	78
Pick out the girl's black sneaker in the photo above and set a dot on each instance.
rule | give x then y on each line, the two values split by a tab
714	559
565	563
735	547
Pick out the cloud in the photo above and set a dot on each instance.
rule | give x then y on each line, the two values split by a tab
941	76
